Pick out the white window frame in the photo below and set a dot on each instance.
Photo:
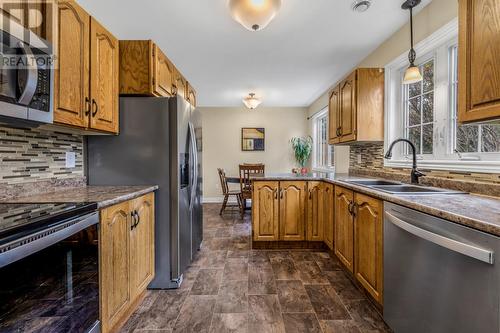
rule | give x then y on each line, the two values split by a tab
436	46
315	153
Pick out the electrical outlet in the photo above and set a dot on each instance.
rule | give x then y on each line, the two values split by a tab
70	159
359	158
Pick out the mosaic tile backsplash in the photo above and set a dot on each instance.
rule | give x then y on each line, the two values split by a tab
372	163
37	154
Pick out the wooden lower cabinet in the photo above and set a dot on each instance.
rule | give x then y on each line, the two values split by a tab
292	216
368	244
265	211
315	211
126	258
142	244
329	214
344	232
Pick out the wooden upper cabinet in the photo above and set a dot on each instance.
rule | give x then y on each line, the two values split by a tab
479	65
368	250
71	78
163	74
347	96
315	211
344	231
292	210
114	289
191	97
265	211
142	244
104	79
329	214
356	107
333	116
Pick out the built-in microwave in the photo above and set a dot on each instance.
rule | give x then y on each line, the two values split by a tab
26	75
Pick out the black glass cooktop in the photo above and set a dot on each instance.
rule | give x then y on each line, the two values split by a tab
28	217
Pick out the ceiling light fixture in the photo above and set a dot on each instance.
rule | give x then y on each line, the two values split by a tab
251	102
412	73
361	6
254	14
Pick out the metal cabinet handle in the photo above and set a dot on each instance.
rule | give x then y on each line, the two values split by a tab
138	218
87	106
281	193
275	193
448	243
310	194
132	226
95	107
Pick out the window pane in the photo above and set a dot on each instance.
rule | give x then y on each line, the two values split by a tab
428	108
414	111
414	89
427	138
428	74
490	138
467	140
414	136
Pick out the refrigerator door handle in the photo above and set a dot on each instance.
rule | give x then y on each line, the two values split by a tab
194	166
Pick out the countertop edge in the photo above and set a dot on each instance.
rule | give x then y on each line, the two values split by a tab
126	197
405	201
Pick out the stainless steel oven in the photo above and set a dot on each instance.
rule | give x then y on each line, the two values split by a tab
26	75
49	277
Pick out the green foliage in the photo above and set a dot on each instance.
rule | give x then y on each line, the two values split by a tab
302	148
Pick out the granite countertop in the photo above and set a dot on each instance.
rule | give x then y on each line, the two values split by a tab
479	212
104	196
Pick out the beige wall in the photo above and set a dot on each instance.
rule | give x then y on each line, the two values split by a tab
222	141
428	20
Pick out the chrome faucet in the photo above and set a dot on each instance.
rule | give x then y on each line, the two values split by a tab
415	174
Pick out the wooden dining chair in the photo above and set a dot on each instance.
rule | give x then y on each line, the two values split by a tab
227	192
247	171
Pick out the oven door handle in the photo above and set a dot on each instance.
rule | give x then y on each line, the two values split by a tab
448	243
32	79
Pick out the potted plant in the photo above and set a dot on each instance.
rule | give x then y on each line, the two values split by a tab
302	148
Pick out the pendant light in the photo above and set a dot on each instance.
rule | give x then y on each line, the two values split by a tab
254	14
251	102
412	73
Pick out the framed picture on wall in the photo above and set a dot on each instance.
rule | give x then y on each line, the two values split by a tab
253	139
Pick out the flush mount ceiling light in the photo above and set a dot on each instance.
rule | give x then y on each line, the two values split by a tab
254	14
412	74
361	6
251	102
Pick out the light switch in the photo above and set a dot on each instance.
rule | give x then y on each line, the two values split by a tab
70	159
359	158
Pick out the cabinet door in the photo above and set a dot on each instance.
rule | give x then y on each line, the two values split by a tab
191	95
315	215
333	116
479	68
114	264
329	214
344	237
180	85
163	79
71	78
292	210
104	83
347	95
368	244
142	244
265	211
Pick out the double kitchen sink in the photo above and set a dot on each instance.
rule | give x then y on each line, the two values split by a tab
400	188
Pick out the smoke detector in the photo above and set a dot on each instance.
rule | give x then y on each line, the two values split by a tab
361	6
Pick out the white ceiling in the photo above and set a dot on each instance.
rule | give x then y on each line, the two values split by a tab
310	44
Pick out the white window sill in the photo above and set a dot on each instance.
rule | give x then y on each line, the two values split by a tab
448	165
332	169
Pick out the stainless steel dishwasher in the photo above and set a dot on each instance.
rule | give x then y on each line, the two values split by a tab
439	276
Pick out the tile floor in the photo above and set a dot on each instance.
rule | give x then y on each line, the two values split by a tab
231	288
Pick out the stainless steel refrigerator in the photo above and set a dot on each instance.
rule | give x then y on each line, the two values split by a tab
160	142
